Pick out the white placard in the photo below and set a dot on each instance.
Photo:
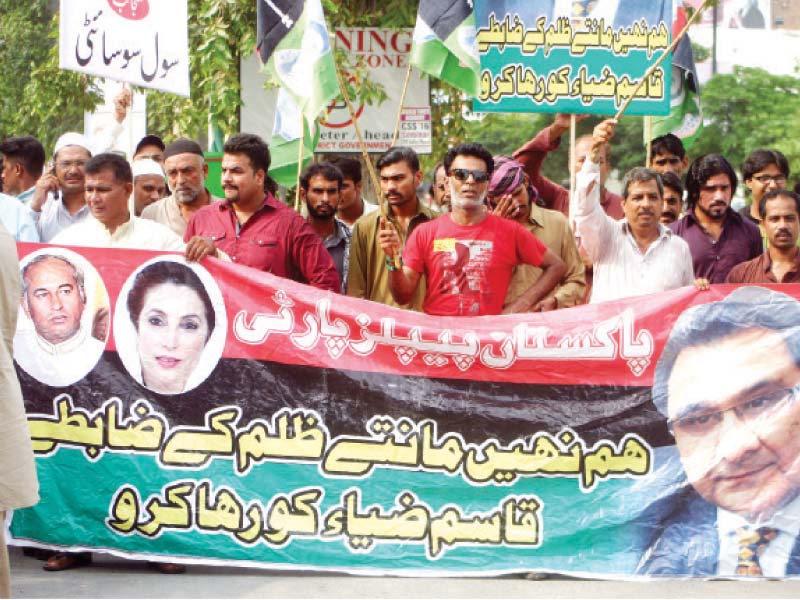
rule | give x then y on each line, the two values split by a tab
415	129
142	42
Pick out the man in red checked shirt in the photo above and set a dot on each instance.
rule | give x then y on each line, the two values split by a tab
552	195
468	255
255	229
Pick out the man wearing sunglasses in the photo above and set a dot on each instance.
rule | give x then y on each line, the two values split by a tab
512	196
727	382
468	255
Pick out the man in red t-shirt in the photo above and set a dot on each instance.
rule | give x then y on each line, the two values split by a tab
468	255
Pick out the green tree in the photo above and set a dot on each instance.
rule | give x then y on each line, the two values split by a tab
750	109
36	96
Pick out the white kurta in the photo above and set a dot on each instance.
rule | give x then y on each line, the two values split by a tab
139	234
57	365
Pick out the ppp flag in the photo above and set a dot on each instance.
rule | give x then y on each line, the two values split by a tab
294	47
444	44
685	118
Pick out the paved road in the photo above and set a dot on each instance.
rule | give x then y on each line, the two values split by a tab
111	577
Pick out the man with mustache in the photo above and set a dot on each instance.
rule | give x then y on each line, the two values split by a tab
780	263
186	171
320	188
763	171
635	255
255	229
468	255
673	198
368	276
59	199
667	155
149	185
718	237
60	349
512	196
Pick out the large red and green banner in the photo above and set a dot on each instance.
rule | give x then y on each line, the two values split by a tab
213	413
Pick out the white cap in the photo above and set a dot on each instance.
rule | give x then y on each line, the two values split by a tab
147	166
72	139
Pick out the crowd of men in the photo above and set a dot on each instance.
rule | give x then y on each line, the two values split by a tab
493	236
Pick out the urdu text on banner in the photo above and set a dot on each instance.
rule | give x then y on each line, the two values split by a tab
211	413
142	42
573	56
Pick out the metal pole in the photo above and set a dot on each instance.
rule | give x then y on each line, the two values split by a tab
714	41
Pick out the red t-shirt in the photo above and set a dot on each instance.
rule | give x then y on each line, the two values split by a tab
468	267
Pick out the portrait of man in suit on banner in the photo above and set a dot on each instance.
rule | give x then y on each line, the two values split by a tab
728	382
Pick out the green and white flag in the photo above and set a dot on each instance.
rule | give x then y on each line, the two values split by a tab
291	130
444	44
685	118
294	45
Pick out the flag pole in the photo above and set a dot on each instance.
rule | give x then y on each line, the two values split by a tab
648	135
573	122
300	163
402	102
370	167
663	56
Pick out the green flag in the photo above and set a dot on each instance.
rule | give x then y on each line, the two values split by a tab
291	131
685	118
295	49
444	44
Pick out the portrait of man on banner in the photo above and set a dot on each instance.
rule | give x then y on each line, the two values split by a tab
63	322
169	325
728	383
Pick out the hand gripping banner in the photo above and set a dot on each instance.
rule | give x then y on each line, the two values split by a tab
215	414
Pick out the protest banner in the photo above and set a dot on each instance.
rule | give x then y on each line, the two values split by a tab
217	414
138	41
543	56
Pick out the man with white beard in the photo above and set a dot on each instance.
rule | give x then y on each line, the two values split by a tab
468	255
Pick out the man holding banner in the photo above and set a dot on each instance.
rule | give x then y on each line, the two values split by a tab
255	229
727	382
468	255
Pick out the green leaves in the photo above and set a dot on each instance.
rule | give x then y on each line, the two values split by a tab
750	109
36	97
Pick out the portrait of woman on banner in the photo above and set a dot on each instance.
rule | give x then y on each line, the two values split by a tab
170	325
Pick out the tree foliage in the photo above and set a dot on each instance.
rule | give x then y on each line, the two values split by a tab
750	109
36	96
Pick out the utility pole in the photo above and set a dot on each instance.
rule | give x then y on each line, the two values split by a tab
714	40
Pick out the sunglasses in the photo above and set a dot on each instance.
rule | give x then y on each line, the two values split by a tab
463	174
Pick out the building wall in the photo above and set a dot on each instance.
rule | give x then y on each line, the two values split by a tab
785	14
